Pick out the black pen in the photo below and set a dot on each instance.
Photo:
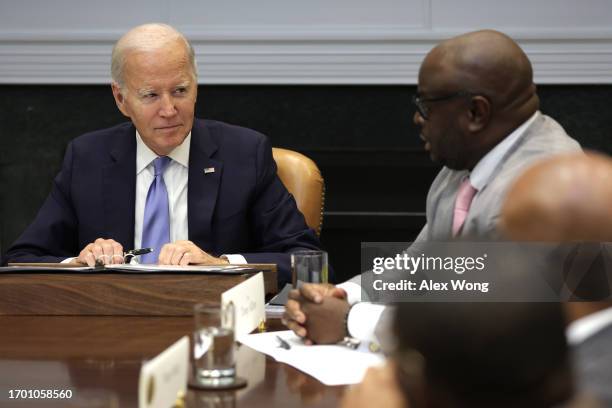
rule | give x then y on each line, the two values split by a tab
127	257
283	343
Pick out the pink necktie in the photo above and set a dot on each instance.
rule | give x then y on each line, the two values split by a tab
462	205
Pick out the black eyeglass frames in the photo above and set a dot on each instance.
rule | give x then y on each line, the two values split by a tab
421	103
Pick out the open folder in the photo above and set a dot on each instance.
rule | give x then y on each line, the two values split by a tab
129	268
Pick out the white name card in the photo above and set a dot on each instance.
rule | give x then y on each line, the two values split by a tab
248	300
164	378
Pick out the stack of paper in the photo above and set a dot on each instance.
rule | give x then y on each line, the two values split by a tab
274	311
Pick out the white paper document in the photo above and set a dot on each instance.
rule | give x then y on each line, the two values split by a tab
274	311
177	268
330	364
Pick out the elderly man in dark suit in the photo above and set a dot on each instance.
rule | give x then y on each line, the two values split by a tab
196	191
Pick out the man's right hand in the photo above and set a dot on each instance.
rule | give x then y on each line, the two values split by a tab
107	251
294	316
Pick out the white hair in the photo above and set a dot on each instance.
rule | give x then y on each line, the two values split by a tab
147	37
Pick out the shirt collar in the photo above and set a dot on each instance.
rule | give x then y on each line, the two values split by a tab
144	155
481	175
585	327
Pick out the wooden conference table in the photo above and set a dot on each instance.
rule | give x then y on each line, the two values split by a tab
87	354
99	357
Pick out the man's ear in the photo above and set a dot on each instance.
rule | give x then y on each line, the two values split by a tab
479	113
119	98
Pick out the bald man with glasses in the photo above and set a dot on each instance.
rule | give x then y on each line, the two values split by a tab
478	111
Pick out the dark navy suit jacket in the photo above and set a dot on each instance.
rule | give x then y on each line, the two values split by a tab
241	207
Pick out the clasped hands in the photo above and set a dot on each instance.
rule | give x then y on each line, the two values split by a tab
317	313
109	251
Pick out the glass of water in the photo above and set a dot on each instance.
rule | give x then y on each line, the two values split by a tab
309	267
213	345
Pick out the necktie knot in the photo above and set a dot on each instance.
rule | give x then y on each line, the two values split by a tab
160	165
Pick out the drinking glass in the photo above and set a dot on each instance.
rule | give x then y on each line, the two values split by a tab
213	345
309	266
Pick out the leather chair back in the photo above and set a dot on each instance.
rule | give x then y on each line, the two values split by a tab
302	178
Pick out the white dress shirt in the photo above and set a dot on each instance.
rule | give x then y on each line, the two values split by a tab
362	320
175	176
581	329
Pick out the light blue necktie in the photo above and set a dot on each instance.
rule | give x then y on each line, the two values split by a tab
156	225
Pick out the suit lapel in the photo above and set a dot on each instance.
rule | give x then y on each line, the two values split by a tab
119	188
203	185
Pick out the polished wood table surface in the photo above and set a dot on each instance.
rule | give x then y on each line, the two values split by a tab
28	291
99	358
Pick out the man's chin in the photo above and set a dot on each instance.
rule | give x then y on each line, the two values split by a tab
434	158
454	165
446	163
167	144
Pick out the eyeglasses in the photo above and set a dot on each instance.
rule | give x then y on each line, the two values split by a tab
422	108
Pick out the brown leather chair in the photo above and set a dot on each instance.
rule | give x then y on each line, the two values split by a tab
303	179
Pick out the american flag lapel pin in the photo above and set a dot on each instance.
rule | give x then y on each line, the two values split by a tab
208	170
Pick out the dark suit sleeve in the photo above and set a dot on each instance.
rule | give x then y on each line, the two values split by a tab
278	226
52	236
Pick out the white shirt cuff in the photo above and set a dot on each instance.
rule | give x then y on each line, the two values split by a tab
235	258
363	319
353	291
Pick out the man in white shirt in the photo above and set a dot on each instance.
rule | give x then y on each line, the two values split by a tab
477	108
569	199
196	191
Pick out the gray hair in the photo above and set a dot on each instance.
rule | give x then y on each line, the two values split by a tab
146	37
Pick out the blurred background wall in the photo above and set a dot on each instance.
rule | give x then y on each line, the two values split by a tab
333	80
